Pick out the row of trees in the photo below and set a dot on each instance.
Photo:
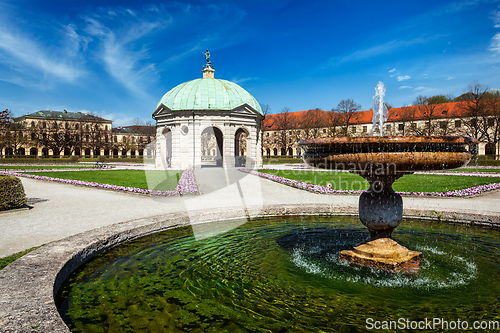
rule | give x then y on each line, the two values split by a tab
68	137
478	117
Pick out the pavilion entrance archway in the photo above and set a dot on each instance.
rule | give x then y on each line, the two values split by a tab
212	147
240	147
166	139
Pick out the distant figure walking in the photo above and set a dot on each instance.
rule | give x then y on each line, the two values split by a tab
380	112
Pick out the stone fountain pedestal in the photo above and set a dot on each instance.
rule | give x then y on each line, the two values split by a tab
381	161
381	210
385	254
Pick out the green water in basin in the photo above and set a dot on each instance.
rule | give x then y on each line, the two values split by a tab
282	275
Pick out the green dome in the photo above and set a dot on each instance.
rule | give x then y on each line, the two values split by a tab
208	94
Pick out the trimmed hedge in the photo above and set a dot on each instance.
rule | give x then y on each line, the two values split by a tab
11	193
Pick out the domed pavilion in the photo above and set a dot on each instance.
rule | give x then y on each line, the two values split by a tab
208	108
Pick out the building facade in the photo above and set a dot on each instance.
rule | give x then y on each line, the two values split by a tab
281	132
50	133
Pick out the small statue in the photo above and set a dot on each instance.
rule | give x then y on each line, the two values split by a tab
207	56
380	112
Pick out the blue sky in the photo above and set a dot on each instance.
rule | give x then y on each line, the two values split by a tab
117	58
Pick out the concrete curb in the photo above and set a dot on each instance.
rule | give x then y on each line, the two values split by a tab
28	285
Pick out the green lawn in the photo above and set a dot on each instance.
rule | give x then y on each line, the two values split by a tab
37	167
408	183
154	180
10	259
282	160
476	170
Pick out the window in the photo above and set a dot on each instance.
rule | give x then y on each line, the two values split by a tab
124	139
44	136
289	132
491	122
353	129
115	139
87	126
106	138
458	123
77	137
324	130
44	125
289	140
77	126
106	127
365	129
66	125
267	134
413	126
140	139
388	127
401	127
87	138
32	124
96	127
443	124
55	124
33	136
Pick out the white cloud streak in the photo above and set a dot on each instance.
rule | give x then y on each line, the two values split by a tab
495	44
122	60
392	70
402	78
405	87
25	52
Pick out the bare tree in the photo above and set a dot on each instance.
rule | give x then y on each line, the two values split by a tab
429	113
6	120
472	111
283	124
311	124
333	120
264	126
347	110
491	121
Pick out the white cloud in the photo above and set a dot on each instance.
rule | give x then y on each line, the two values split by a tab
405	87
420	88
122	51
496	18
23	51
392	75
241	80
426	76
392	70
495	43
402	78
451	78
385	48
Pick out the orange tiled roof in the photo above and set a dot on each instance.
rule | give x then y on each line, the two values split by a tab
444	110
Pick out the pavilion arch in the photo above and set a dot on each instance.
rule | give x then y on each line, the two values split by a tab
212	146
241	139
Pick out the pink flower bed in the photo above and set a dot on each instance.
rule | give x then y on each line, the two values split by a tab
186	184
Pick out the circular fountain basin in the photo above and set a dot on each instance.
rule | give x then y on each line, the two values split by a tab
280	275
404	153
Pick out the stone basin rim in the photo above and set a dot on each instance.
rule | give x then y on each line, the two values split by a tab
28	284
444	139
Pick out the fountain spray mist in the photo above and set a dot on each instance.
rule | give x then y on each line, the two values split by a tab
380	112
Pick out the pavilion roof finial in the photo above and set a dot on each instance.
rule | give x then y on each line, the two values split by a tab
208	70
